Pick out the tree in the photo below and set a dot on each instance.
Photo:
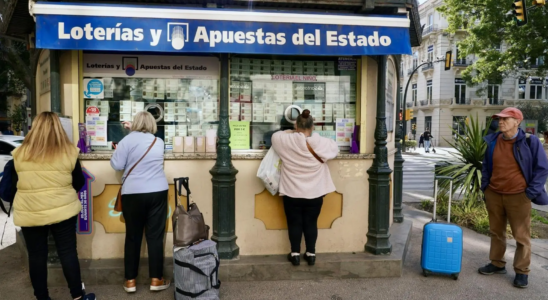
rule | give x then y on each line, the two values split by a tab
488	26
537	112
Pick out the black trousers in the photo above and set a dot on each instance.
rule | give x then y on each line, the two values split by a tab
64	234
146	212
302	217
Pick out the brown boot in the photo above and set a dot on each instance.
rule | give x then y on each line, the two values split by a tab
157	284
130	286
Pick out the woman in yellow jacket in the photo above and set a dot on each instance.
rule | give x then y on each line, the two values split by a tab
48	177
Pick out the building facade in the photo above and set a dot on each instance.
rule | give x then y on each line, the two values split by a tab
441	100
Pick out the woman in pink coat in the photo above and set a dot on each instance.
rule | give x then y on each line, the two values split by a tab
305	180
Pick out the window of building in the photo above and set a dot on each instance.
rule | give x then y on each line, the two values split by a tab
430	56
415	59
460	91
429	91
181	92
535	89
428	123
459	126
539	61
390	92
522	84
414	94
430	23
262	88
458	59
493	93
414	127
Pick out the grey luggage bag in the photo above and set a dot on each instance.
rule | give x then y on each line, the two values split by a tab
196	272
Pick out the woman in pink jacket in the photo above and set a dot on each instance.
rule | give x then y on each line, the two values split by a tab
305	180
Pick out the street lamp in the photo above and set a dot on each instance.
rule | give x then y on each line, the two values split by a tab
446	59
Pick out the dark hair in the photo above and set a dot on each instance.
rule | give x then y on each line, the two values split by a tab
546	133
304	121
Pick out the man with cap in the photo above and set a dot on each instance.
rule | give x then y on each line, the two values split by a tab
515	169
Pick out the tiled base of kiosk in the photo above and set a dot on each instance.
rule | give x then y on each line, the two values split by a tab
259	267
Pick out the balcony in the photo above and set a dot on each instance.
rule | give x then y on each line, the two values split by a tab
461	101
429	29
411	71
461	63
427	67
494	101
409	104
424	102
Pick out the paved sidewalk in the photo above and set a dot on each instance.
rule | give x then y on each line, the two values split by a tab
412	285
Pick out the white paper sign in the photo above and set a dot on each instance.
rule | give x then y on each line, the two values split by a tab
96	128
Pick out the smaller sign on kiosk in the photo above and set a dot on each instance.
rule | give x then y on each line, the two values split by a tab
85	217
93	111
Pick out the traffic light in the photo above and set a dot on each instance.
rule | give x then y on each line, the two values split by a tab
539	3
401	115
448	60
520	12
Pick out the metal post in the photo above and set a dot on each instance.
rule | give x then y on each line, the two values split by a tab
379	175
55	81
224	179
407	87
398	160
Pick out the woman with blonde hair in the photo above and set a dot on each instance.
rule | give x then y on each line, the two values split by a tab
144	199
48	176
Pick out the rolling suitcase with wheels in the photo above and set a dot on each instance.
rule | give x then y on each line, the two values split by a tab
441	242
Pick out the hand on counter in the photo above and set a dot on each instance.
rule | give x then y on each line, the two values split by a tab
127	125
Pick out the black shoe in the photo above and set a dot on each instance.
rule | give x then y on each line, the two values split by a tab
491	269
295	260
310	259
521	281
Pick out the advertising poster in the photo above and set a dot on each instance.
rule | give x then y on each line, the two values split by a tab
85	218
94	88
239	135
96	128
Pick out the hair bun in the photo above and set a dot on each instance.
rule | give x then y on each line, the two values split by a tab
305	114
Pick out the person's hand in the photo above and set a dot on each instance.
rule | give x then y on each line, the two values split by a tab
127	125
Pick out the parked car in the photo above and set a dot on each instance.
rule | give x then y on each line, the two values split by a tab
7	144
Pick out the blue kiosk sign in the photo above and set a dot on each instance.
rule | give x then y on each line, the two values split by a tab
134	28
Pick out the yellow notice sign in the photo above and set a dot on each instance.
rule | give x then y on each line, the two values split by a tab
239	135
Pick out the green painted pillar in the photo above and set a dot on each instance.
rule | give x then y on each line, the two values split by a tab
55	81
224	179
397	214
379	175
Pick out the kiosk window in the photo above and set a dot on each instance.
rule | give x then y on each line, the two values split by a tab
268	92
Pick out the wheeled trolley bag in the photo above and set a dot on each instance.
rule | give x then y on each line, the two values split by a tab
442	242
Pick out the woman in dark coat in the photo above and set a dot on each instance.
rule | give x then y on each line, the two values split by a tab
421	141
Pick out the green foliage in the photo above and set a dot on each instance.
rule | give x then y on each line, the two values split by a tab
466	173
537	112
17	115
410	144
487	26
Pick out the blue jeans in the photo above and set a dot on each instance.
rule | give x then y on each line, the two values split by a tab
427	145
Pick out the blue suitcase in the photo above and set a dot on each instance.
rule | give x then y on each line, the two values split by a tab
441	243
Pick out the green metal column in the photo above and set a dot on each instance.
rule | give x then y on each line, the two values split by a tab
398	159
379	175
224	179
55	81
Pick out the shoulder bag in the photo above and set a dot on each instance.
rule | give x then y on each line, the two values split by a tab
118	204
314	153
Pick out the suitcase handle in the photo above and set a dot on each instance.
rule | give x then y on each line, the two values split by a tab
434	218
178	184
